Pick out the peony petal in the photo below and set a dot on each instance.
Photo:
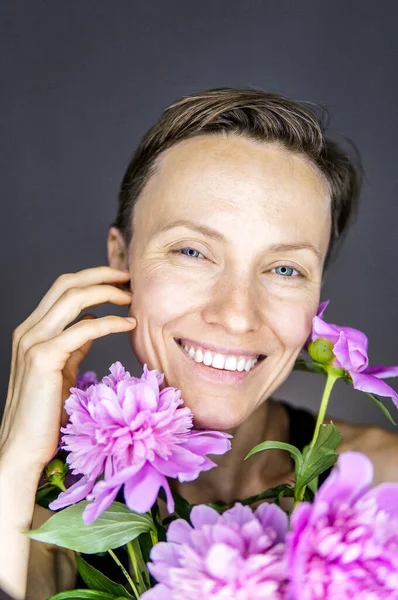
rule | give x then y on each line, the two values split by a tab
147	397
159	592
102	501
270	515
322	307
179	531
239	514
124	475
142	489
342	352
321	329
373	385
347	482
203	443
358	340
203	515
149	375
222	562
169	497
357	343
77	492
381	372
181	462
386	496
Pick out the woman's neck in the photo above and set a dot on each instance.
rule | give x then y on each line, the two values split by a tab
235	478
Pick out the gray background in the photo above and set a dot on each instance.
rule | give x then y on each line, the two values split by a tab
81	83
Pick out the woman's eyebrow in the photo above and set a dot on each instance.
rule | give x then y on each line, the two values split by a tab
204	229
213	233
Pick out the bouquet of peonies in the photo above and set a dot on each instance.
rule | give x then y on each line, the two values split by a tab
126	434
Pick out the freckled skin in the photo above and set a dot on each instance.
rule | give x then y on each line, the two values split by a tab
256	196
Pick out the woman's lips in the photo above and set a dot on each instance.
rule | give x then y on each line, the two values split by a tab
214	374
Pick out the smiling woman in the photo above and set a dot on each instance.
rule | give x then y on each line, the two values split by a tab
229	213
254	222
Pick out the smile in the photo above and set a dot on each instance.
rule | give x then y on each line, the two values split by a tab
226	362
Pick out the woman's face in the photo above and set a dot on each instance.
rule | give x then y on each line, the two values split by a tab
226	259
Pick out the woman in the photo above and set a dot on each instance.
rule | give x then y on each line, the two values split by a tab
229	213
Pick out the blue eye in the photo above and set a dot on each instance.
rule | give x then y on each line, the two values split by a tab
286	271
191	252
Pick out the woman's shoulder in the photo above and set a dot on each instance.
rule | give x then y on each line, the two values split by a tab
379	444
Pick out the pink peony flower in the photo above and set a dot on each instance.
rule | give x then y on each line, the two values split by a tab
238	555
84	380
130	433
345	544
351	352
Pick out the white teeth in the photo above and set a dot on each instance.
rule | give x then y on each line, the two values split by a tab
207	358
199	355
218	361
230	363
241	364
248	365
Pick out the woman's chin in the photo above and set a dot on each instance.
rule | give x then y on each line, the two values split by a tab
217	418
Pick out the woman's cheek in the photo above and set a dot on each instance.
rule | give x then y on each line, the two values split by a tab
292	324
162	297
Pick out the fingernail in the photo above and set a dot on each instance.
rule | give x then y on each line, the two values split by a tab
131	319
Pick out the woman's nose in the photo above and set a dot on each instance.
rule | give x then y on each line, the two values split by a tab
234	306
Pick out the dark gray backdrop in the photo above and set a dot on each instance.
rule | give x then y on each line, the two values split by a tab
82	81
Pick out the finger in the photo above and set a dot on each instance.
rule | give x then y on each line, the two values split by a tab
42	382
92	276
53	354
85	278
67	308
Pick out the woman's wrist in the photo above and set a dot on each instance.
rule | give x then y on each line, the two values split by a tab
17	468
18	483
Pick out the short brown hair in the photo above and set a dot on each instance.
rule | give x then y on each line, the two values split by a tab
258	115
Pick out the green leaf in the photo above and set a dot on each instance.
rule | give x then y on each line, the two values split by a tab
276	492
82	595
115	527
383	408
309	367
95	580
46	494
313	485
321	457
293	451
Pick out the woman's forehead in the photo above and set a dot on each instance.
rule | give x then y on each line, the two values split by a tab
229	180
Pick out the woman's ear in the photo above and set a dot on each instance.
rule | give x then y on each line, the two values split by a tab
117	249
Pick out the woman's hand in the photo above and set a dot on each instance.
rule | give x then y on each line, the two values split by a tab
45	360
46	355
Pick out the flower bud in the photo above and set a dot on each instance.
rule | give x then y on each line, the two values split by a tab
55	472
321	351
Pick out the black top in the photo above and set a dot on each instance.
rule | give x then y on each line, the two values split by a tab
302	425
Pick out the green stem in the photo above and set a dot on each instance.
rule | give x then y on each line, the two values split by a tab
333	374
332	377
125	573
60	484
154	536
135	554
